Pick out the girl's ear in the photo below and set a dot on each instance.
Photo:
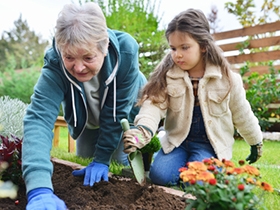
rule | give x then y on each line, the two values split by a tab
203	49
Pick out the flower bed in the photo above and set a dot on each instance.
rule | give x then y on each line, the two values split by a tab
117	194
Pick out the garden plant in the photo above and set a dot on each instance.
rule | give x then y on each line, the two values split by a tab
221	185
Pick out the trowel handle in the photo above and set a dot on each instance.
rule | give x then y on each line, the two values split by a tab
125	124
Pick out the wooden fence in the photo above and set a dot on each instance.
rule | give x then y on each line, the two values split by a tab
259	43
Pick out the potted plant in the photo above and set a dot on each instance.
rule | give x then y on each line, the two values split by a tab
221	185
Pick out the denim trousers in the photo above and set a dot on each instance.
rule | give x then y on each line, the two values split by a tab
196	147
85	147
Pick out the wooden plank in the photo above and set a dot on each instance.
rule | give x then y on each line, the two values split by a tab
56	136
255	43
60	122
262	69
248	31
71	144
254	57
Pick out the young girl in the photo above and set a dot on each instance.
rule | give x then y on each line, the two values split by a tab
200	98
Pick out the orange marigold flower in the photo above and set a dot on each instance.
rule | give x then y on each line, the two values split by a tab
217	162
204	176
212	181
250	180
241	187
238	170
267	187
228	163
182	169
251	170
188	175
229	171
198	166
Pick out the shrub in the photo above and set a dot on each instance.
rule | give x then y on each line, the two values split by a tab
11	116
18	84
263	90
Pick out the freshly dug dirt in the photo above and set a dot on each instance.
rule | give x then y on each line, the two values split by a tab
117	194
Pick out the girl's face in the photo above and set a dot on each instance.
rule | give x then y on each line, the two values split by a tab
83	65
186	53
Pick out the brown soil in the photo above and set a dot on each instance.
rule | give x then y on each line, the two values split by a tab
117	194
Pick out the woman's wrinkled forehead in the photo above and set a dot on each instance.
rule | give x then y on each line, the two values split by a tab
75	49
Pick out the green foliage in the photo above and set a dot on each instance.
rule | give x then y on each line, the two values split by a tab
152	147
18	84
245	11
263	90
140	19
23	46
11	116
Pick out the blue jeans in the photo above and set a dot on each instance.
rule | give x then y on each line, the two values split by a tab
86	147
196	147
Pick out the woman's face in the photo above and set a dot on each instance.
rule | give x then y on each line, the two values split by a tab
83	65
186	53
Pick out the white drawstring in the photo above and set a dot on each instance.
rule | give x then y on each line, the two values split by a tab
115	98
73	105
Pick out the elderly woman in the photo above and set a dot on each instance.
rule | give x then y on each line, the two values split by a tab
93	72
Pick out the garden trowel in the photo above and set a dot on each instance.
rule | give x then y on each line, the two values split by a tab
135	159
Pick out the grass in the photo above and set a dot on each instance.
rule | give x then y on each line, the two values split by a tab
269	164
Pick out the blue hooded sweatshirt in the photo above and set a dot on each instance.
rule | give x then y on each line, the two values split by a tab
120	83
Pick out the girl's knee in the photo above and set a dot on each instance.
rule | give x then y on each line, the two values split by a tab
163	177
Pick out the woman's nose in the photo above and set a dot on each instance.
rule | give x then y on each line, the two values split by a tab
79	66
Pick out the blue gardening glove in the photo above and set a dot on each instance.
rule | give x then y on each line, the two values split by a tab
44	199
94	172
256	153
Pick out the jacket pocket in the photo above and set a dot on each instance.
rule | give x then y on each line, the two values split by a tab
176	96
218	103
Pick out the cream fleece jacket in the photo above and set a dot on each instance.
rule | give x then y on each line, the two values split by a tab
221	113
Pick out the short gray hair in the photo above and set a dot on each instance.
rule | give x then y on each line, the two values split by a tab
80	26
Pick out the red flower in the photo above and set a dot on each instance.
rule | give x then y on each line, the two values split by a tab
241	162
192	182
211	168
241	187
213	181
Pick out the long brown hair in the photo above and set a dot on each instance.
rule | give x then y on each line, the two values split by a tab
195	24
